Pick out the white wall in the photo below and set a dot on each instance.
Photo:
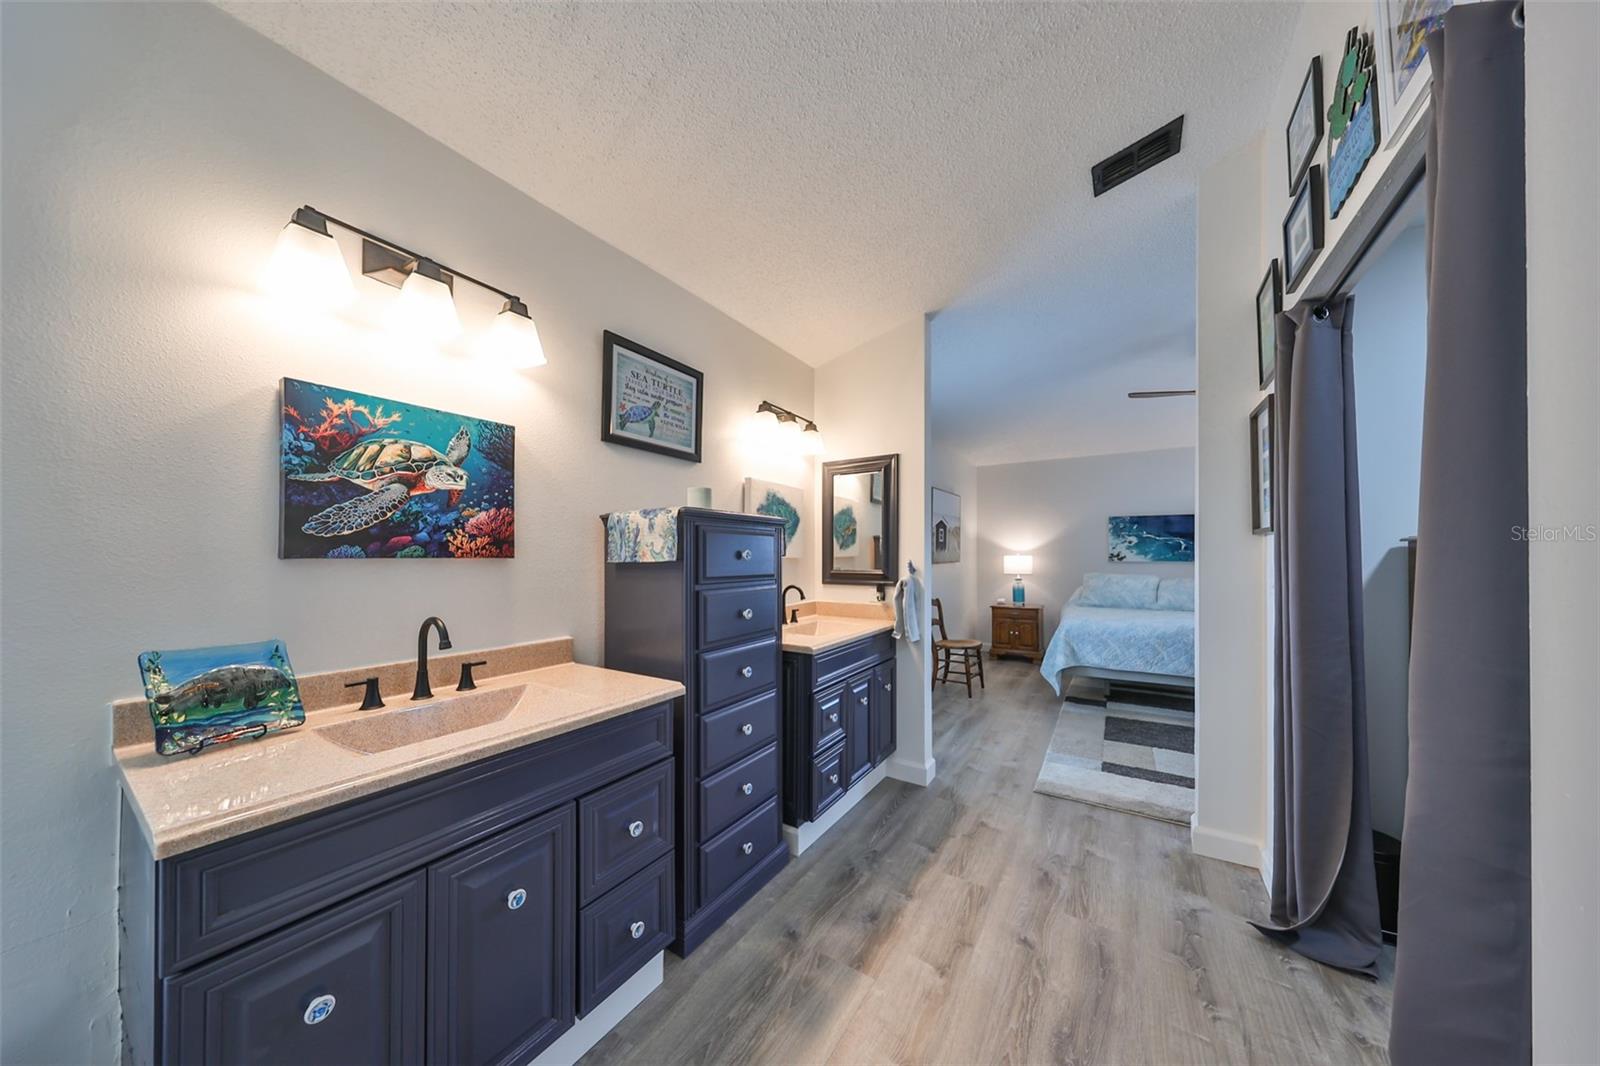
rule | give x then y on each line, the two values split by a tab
152	153
1232	562
873	400
1563	148
1390	355
956	584
1056	511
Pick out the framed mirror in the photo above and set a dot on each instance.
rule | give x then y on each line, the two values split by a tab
860	521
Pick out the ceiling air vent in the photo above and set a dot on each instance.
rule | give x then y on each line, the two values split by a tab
1138	157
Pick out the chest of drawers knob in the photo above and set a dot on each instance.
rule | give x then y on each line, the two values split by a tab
747	847
746	729
743	555
515	899
833	778
747	671
636	829
747	614
636	930
747	788
319	1009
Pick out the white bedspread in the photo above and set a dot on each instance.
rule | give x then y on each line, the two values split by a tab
1117	638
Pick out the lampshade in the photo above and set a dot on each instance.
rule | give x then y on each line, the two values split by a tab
425	307
1018	565
307	267
513	339
811	439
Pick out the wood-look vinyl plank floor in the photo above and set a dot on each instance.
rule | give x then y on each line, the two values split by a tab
977	921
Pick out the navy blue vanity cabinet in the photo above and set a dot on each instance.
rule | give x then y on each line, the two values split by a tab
501	926
838	722
711	619
467	917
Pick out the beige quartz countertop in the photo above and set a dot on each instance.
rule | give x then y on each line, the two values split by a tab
823	625
189	801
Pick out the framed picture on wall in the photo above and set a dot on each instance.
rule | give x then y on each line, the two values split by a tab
1304	131
1401	42
650	401
780	501
946	515
1269	301
1261	466
1302	231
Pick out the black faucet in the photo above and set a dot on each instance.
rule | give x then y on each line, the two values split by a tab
794	613
423	690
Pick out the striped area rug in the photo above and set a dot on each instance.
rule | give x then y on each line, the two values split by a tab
1134	752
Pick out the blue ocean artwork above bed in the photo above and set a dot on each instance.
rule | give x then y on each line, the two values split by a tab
1151	538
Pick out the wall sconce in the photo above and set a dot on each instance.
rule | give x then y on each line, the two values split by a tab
307	265
802	431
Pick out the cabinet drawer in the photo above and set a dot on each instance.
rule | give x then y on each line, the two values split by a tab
728	553
731	673
738	790
827	780
345	986
739	849
501	921
736	731
623	828
619	933
828	716
737	613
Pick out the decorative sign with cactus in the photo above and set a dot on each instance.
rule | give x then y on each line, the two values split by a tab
207	696
1352	119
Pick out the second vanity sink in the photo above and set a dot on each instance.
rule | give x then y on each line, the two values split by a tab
424	721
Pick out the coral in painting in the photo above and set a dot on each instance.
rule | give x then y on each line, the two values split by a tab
207	696
370	478
486	535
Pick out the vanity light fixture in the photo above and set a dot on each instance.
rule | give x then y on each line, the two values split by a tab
308	265
803	431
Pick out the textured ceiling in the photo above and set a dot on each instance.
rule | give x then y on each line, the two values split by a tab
821	172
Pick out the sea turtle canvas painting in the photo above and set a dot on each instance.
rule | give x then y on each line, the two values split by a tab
365	477
206	696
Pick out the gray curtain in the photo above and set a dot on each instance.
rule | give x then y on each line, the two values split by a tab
1324	884
1463	990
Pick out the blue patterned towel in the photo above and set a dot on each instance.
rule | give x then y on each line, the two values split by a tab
646	536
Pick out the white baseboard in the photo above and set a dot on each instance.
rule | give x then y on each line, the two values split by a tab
799	838
1229	847
586	1032
911	772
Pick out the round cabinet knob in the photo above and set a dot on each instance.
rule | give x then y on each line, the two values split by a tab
747	671
747	614
747	847
834	717
743	554
863	699
887	687
516	899
833	779
747	788
636	930
319	1009
636	829
747	729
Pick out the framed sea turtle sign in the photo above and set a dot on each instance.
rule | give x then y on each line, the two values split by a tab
650	401
364	477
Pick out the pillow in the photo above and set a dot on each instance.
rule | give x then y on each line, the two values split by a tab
1175	594
1118	590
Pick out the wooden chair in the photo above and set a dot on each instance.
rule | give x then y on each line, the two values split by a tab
967	655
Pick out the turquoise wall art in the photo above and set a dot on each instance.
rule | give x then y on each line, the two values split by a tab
206	696
364	477
779	501
1151	538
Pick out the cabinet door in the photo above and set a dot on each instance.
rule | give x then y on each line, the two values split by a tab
883	717
858	734
341	987
501	966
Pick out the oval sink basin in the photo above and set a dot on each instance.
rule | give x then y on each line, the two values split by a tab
387	730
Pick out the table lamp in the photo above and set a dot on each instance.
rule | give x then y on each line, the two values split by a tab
1017	566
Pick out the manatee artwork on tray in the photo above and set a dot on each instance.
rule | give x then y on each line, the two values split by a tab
365	477
206	696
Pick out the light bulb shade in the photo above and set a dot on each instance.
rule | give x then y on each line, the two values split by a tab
425	307
307	267
1018	565
811	439
513	339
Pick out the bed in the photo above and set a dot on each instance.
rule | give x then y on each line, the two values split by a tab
1130	628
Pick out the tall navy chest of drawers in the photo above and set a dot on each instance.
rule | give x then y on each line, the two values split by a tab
711	620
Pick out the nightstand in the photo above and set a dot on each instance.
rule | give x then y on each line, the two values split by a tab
1016	629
